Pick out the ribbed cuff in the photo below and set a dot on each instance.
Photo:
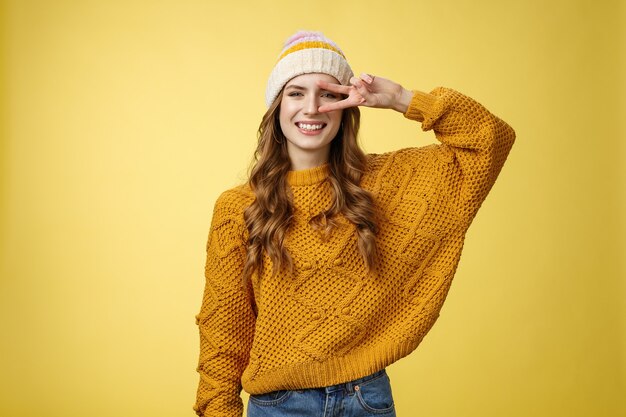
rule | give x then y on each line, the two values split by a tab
420	104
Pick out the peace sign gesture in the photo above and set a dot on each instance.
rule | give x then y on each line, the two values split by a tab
369	91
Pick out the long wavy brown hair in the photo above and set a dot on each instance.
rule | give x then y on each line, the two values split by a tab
268	218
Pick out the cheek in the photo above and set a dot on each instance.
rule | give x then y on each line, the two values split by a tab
285	115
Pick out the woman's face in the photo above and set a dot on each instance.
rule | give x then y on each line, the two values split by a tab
308	132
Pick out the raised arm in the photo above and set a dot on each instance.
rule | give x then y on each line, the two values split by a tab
226	319
479	141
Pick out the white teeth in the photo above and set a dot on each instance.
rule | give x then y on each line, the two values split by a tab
306	126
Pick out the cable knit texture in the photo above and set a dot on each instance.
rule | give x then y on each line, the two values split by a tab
331	321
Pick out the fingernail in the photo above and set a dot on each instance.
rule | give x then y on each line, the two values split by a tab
367	78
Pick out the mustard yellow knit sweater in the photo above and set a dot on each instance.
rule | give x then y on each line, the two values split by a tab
333	321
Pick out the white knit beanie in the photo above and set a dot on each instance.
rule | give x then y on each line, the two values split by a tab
305	53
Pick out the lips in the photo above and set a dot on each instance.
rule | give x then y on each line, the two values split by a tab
311	126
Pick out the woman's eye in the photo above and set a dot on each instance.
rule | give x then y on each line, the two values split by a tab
329	95
294	94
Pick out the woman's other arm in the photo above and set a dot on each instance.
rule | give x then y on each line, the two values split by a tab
226	319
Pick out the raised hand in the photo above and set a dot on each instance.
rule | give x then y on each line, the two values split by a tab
369	91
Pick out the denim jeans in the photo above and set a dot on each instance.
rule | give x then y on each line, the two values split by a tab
367	396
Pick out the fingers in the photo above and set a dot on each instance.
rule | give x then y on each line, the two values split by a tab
361	88
357	82
367	78
351	101
335	88
358	93
345	89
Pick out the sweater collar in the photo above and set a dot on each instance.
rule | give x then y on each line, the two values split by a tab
308	176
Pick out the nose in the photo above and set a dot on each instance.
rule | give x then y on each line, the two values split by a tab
311	104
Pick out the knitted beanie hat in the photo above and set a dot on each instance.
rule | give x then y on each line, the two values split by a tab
305	53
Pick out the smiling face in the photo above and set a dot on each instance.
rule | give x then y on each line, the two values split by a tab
308	132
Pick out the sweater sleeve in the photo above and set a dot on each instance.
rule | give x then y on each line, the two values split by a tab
226	319
479	141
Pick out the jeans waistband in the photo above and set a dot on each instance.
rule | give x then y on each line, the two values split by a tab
349	386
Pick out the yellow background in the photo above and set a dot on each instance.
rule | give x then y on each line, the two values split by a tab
122	121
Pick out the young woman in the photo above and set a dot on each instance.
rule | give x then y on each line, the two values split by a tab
329	264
